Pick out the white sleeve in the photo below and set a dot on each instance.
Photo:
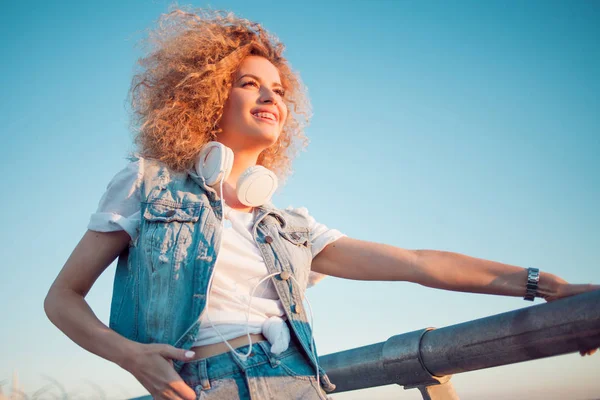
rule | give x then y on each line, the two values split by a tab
119	207
320	237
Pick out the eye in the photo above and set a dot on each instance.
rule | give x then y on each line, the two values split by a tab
253	83
279	91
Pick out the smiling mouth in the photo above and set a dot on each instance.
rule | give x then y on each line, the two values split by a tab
266	117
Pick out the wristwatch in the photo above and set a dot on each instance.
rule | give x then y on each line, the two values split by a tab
533	278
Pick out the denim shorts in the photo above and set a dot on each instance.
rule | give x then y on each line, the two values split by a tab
289	375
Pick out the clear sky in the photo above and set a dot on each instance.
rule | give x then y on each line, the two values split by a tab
464	126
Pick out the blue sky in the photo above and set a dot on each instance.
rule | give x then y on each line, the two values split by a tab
466	126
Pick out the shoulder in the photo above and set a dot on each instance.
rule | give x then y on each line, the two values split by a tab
301	212
320	235
128	176
299	216
176	186
141	171
149	169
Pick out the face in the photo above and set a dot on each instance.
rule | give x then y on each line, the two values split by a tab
254	113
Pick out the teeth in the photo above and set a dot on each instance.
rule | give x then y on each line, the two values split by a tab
266	115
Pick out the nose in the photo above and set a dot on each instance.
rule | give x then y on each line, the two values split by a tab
268	97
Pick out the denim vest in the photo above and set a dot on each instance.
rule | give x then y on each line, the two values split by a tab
162	280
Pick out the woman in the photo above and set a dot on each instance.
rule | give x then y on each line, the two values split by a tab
209	288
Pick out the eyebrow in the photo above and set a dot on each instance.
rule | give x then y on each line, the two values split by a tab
258	79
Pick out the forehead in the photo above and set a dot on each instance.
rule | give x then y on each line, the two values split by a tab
260	67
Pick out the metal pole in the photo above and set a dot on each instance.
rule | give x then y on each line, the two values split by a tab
424	358
531	333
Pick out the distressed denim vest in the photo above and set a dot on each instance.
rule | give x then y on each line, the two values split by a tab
162	280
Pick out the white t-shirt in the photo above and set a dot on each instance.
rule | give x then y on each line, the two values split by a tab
239	265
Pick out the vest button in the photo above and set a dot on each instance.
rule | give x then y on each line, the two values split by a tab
296	309
170	213
269	239
284	276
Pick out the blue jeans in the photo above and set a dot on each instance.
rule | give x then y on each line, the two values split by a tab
263	375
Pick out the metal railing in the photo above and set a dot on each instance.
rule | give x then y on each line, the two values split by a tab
425	359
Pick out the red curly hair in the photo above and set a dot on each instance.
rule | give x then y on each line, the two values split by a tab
178	96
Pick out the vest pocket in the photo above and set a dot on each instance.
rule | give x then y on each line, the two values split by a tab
297	243
298	238
169	212
168	232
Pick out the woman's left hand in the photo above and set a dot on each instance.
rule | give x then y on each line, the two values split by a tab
565	289
568	289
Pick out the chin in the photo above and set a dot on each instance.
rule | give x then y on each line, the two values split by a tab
268	137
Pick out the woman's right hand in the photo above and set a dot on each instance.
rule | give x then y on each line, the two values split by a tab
65	305
152	365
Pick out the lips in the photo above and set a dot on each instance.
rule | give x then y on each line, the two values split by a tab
265	114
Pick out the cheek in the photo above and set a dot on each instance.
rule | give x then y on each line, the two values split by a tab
234	107
283	114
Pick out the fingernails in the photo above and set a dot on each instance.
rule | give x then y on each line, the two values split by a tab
190	354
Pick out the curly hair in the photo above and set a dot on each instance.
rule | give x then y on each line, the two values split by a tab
177	97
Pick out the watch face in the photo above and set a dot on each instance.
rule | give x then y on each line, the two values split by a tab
533	274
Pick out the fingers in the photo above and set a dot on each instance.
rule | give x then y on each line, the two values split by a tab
177	390
170	386
175	353
587	352
570	289
574	289
167	394
153	368
178	393
183	390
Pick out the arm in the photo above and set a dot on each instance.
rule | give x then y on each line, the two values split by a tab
66	307
357	259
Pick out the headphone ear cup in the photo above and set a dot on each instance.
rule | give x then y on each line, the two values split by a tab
214	162
256	186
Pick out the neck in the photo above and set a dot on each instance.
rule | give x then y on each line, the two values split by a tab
242	160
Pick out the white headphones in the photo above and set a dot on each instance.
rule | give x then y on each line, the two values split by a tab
255	186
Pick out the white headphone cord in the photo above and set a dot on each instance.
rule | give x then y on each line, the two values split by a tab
242	356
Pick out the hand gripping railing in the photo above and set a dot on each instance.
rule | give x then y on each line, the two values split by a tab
425	359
